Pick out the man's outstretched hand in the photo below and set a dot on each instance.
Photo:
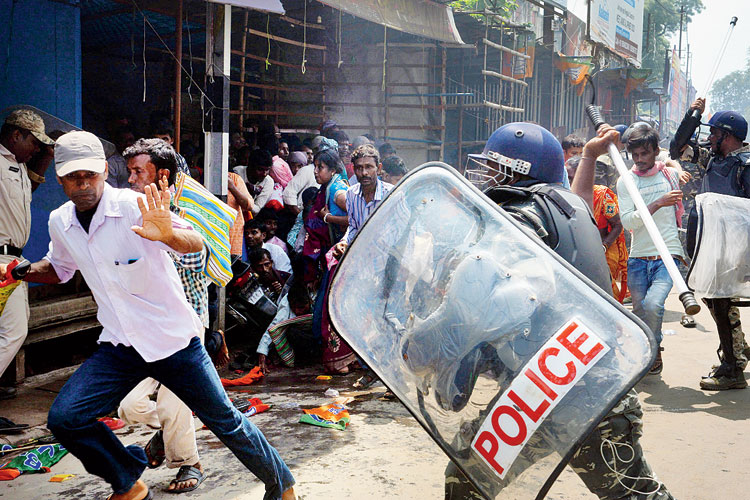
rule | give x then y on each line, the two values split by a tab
157	219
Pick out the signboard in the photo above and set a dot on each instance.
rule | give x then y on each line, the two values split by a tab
618	24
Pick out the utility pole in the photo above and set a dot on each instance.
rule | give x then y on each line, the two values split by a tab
178	78
548	68
682	17
216	111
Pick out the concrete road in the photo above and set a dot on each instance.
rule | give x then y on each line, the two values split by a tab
697	442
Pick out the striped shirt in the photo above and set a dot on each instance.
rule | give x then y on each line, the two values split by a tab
359	209
194	282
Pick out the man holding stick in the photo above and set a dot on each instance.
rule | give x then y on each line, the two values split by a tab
659	186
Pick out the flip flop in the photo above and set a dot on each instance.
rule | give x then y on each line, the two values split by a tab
149	496
186	473
687	321
154	449
7	426
365	381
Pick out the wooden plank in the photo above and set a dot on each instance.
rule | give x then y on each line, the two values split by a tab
276	113
50	313
375	104
321	67
285	40
504	78
301	23
242	67
505	49
61	330
20	365
274	61
502	107
276	87
393	127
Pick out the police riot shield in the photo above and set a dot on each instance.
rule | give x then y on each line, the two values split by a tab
504	353
721	261
54	127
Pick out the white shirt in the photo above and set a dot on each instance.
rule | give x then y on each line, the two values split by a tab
265	195
651	188
303	179
133	280
279	257
284	313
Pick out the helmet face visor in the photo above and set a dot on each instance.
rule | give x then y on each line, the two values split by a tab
493	169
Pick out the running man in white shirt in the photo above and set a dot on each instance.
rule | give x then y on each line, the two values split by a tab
120	243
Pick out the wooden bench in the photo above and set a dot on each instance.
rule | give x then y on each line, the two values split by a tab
56	317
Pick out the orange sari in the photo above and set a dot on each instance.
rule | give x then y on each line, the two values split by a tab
605	207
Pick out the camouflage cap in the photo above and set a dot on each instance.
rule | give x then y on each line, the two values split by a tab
28	120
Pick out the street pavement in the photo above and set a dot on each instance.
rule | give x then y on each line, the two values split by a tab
697	442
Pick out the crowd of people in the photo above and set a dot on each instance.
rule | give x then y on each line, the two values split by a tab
296	205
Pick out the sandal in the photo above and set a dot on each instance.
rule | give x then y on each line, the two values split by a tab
186	473
7	426
155	450
149	496
687	321
388	396
365	381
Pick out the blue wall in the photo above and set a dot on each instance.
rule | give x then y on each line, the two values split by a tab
40	65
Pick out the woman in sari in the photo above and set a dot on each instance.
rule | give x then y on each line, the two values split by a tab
325	225
607	216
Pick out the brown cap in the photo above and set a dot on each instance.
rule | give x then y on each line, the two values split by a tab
28	120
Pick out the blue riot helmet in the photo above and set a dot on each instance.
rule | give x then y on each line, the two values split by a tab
520	147
731	121
621	128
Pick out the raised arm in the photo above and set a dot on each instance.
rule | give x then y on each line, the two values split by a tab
583	182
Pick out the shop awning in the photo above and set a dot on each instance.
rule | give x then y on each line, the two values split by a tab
418	17
272	6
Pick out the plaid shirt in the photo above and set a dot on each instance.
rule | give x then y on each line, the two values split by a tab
182	165
194	281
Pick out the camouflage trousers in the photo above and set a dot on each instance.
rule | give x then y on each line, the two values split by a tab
611	446
739	346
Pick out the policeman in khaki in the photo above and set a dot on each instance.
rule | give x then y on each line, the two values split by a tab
25	154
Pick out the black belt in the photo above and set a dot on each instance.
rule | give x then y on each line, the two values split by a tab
10	250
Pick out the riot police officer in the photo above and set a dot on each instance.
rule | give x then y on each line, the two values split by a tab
529	159
726	172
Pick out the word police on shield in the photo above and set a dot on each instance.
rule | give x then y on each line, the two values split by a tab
534	393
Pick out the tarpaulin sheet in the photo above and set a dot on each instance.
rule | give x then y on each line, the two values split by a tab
418	17
272	6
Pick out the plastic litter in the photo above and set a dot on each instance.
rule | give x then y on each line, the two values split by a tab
59	478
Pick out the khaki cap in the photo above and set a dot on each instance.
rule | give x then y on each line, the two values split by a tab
28	120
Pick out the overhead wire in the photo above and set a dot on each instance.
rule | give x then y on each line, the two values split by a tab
146	21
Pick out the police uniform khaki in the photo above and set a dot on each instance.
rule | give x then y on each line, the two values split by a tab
24	156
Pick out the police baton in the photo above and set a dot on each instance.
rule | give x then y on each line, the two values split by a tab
686	295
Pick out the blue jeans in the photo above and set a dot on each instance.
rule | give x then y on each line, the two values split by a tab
649	284
98	386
